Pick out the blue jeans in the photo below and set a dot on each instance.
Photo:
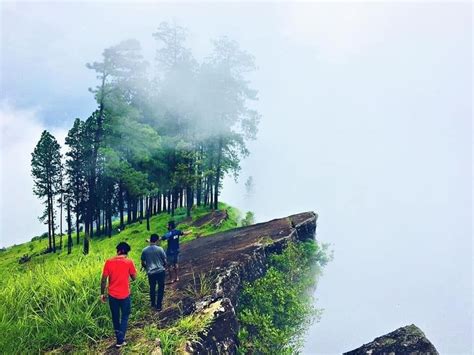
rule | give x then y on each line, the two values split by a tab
156	279
120	309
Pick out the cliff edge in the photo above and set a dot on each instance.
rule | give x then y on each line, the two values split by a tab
223	262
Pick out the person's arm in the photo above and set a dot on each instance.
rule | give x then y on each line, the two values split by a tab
143	262
103	283
163	257
133	271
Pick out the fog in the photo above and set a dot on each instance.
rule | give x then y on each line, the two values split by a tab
366	120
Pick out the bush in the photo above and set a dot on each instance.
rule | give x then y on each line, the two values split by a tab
40	237
275	310
249	219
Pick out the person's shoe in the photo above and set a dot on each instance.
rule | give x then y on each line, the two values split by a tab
122	344
158	309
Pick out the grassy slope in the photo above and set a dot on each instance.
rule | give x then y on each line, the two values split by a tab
52	300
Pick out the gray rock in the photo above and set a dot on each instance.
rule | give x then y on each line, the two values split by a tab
408	340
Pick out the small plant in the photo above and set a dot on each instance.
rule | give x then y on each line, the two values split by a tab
249	219
24	259
201	286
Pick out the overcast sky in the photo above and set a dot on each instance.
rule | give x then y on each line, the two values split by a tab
367	113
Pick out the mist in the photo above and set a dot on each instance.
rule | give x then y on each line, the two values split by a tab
366	120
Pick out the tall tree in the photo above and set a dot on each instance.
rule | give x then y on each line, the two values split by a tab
121	75
226	116
75	171
46	170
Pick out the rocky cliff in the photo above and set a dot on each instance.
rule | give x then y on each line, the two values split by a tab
224	261
409	340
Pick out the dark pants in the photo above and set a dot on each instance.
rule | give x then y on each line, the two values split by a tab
120	311
156	279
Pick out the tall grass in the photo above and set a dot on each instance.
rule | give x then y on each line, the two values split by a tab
53	299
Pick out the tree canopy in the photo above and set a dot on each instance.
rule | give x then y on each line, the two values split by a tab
163	136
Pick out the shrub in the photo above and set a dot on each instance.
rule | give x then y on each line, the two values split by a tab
275	310
249	219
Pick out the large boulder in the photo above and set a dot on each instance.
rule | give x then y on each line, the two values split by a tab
408	340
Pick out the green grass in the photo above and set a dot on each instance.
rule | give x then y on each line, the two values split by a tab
52	300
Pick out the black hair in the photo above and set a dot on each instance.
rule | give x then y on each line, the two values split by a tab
154	238
171	225
123	248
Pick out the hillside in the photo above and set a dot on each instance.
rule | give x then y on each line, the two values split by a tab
52	299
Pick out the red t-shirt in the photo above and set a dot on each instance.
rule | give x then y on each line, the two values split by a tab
118	270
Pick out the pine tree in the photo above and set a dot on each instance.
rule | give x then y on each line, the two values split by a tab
46	170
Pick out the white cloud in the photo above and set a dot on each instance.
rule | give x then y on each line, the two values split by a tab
20	130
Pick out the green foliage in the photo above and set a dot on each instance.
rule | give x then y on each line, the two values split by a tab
249	219
172	340
275	310
46	166
200	287
52	300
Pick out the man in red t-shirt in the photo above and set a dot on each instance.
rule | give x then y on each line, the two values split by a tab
118	270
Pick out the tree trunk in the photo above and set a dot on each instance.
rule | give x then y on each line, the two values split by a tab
77	228
174	203
129	207
206	193
148	207
189	201
169	202
96	224
199	179
218	175
135	210
120	203
52	224
105	218
69	231
105	224
61	223
50	242
86	244
109	220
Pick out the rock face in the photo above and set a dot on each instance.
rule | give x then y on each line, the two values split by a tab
224	261
409	340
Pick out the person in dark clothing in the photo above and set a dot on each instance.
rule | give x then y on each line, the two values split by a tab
172	251
118	271
154	262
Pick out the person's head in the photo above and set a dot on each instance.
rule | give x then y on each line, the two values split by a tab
123	248
154	238
171	225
